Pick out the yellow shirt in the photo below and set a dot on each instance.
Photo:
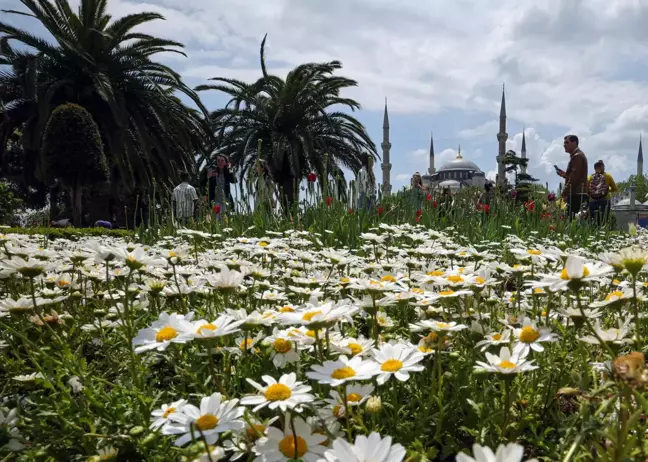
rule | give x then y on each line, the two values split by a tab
612	187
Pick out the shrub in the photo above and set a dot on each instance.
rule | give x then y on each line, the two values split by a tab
9	203
70	233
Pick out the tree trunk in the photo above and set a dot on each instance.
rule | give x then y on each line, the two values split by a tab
53	201
77	205
287	187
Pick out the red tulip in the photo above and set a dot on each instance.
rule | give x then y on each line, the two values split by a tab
329	200
435	204
312	177
216	209
380	210
350	211
530	206
418	219
429	197
419	213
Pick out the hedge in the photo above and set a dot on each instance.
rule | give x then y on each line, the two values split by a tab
69	233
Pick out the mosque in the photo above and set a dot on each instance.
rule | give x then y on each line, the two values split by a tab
457	173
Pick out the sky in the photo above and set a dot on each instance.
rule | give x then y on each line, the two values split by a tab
570	66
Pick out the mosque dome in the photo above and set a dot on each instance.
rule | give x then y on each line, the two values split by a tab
459	163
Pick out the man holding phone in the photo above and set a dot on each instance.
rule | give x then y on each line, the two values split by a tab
575	190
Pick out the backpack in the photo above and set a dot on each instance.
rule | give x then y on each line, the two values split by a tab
598	187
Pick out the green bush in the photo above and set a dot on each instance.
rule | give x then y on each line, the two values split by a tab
9	203
70	233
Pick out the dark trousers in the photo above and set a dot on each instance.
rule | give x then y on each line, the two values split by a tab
599	211
575	204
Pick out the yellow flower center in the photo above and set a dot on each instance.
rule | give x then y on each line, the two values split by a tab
243	344
165	334
343	373
391	365
614	295
310	315
529	335
506	365
442	325
286	309
255	432
278	392
63	283
282	346
388	278
445	293
168	412
462	254
263	244
616	282
480	280
455	278
497	337
418	290
431	337
337	410
424	349
290	450
544	313
566	277
172	254
355	348
345	280
436	273
208	326
310	333
538	290
534	252
206	422
353	398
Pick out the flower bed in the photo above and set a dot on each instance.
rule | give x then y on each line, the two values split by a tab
416	344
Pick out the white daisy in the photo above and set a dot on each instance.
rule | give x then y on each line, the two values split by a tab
280	446
510	453
372	448
168	329
397	360
213	418
164	415
530	336
506	363
285	394
343	370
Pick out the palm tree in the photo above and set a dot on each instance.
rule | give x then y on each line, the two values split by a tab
299	132
100	63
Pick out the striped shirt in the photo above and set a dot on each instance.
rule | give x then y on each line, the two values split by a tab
184	196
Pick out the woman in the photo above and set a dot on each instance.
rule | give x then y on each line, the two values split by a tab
418	190
366	184
600	187
220	194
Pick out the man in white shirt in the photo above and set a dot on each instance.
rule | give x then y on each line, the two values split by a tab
184	199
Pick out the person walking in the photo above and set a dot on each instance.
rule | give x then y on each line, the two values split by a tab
418	190
220	194
366	184
184	199
575	191
601	185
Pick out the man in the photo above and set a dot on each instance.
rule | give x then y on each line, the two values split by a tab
184	199
575	191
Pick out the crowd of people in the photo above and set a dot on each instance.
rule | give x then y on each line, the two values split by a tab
583	194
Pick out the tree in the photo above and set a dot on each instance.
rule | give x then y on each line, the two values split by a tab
102	64
295	122
73	152
641	186
524	183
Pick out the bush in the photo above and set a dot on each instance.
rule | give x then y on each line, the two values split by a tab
9	203
70	233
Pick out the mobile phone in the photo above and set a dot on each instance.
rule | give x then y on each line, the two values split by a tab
556	167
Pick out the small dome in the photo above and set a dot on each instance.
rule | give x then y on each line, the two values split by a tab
459	163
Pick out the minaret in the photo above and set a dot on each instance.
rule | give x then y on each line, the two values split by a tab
523	169
640	169
431	170
502	136
386	146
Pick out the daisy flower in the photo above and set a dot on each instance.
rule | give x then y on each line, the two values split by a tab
372	448
282	349
164	415
168	329
494	338
530	336
510	453
214	417
343	370
397	360
286	394
280	446
437	326
222	326
506	363
353	346
356	396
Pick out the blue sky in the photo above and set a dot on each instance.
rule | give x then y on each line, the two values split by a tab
570	66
